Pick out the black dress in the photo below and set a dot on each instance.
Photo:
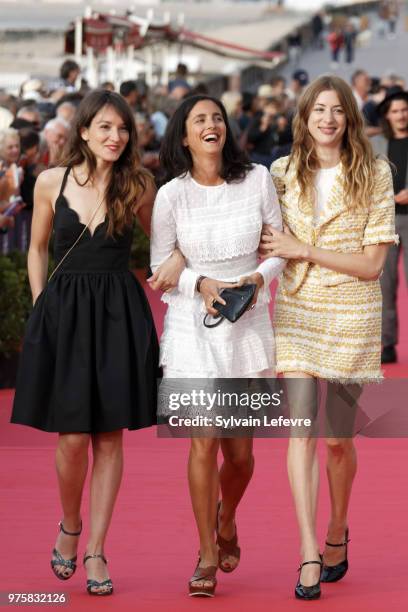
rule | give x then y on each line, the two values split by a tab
90	356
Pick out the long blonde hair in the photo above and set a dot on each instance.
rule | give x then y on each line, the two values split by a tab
357	155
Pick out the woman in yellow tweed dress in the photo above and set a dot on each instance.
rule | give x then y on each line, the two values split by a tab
338	208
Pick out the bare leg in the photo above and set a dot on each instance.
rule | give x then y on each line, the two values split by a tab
105	482
235	474
303	471
204	485
341	469
341	410
72	465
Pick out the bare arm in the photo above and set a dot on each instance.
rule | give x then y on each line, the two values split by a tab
145	207
40	232
366	265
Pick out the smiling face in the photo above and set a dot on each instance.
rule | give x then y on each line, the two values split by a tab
327	120
205	130
107	135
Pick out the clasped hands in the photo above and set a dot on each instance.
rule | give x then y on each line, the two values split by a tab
167	275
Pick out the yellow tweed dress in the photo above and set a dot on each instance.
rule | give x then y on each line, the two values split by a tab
326	323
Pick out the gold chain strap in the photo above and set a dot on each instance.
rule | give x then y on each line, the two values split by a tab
78	239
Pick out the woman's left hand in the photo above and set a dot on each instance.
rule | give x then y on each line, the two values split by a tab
253	279
281	244
167	275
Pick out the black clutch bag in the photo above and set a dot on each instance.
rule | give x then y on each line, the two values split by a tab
237	301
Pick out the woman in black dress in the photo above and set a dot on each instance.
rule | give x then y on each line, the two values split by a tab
89	362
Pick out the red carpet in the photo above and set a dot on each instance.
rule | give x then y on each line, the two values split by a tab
152	542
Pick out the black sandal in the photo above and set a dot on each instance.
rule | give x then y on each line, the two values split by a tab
334	573
94	584
69	564
308	592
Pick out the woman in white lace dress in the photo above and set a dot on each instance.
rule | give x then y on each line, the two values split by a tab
212	207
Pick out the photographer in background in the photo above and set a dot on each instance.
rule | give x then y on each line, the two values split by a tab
263	133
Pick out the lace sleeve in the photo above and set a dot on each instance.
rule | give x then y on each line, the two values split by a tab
271	214
164	240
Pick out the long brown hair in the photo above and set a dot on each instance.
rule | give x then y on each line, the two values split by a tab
128	179
357	155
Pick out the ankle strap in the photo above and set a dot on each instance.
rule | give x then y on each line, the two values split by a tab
70	533
86	557
309	563
346	541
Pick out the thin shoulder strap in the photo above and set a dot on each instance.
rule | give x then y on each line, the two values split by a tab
95	212
64	181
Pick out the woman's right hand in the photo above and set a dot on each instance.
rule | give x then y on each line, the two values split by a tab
209	290
167	275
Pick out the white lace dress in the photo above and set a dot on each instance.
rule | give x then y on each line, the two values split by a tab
218	230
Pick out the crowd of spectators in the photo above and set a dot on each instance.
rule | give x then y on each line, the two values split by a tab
34	127
343	33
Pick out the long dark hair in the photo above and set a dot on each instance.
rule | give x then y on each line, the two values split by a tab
128	179
175	158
